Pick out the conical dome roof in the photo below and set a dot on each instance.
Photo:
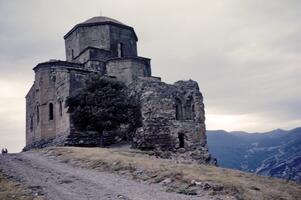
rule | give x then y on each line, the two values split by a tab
101	19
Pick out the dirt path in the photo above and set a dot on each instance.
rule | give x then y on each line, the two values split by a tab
59	181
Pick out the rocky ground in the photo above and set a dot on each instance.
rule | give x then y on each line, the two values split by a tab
60	181
121	173
12	190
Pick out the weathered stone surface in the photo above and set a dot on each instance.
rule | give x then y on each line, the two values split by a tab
93	138
172	118
170	109
55	141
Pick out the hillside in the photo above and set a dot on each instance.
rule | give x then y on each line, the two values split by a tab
276	153
74	173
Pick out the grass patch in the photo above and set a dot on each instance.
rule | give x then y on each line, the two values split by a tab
178	177
11	190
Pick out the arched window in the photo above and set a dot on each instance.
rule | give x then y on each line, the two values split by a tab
120	49
179	112
181	140
38	113
61	108
192	112
189	109
50	111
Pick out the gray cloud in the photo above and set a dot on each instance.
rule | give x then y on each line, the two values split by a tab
244	54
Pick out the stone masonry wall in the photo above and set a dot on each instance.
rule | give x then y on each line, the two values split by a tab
161	125
173	119
106	37
52	86
124	36
31	118
92	54
128	69
83	37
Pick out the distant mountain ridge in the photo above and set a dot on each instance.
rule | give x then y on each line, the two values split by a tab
276	153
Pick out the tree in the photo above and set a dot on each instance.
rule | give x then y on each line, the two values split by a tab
103	104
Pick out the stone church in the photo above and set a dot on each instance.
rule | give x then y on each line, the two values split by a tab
172	115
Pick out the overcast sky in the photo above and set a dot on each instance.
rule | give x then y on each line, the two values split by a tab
245	55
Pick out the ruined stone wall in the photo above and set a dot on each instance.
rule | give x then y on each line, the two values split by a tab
193	111
161	125
128	69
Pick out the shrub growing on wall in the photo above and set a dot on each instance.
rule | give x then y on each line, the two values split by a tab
103	104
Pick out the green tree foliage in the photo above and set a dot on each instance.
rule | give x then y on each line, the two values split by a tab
103	104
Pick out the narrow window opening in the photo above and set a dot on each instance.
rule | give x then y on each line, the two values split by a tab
38	114
179	112
189	109
192	112
51	111
61	108
120	49
72	53
181	140
31	123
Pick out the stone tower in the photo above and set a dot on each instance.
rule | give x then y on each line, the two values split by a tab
100	37
172	115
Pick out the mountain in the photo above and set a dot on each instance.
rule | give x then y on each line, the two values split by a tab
276	153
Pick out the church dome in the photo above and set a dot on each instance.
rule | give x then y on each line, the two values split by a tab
101	19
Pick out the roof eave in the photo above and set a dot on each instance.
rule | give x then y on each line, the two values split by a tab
100	23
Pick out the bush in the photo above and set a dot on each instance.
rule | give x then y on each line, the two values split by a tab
103	104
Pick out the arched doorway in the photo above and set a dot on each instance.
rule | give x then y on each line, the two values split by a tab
181	140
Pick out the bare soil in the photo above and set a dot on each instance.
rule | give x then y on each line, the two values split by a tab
12	190
176	176
59	181
69	173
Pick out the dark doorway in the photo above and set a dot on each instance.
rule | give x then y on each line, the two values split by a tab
50	111
181	140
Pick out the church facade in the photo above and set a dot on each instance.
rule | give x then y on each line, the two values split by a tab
172	115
